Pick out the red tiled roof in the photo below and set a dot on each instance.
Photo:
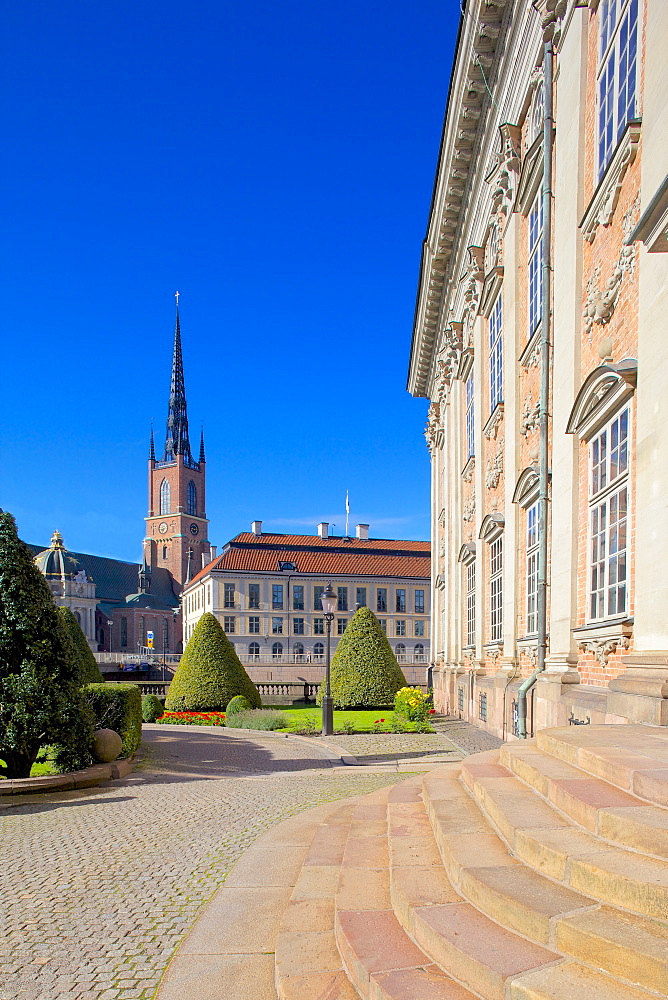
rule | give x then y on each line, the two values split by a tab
323	556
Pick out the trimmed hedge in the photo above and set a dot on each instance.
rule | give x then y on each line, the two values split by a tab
86	662
151	708
118	707
364	670
210	673
238	704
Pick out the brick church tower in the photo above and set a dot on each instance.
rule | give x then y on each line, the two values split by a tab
176	524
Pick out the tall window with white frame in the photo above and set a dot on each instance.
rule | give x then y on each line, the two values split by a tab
617	74
470	417
532	569
165	497
496	355
535	263
608	519
470	604
496	589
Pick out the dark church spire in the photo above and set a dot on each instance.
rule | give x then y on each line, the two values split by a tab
202	456
177	441
151	449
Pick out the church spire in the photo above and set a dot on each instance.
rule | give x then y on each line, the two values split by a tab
151	448
202	456
177	441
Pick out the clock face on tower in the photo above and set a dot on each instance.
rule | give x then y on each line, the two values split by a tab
194	529
162	527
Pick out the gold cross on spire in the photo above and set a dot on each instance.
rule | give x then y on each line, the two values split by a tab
176	296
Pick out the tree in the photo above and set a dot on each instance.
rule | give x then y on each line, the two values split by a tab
82	651
41	702
364	670
210	672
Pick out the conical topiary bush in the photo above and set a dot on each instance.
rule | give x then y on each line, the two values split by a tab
364	670
210	672
90	672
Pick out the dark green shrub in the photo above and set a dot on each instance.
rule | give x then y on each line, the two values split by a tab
237	704
41	703
210	673
118	707
87	663
259	718
364	671
151	708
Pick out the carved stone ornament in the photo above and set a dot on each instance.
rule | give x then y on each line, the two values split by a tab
447	362
531	653
494	469
469	468
505	169
600	302
602	206
433	427
530	416
468	512
491	428
603	648
494	652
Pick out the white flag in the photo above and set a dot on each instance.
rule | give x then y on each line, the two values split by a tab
347	503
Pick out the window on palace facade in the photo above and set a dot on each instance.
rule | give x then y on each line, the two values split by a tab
419	602
383	624
342	604
317	594
298	597
341	625
165	497
124	633
617	69
495	355
208	595
298	649
228	624
360	597
277	596
254	649
192	498
535	262
496	589
399	649
318	649
318	626
608	519
470	419
400	627
277	626
381	599
400	601
298	626
532	569
470	604
254	624
418	628
418	651
253	595
538	112
229	595
277	649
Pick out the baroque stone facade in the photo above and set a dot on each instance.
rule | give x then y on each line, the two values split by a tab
486	286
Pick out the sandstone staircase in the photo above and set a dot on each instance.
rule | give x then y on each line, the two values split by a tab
538	871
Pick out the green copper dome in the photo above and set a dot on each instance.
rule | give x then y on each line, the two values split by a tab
56	563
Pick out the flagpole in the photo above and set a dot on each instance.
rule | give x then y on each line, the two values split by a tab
347	512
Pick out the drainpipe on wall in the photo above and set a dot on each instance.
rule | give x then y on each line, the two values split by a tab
544	399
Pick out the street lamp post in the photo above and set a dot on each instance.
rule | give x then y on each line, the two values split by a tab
329	601
110	624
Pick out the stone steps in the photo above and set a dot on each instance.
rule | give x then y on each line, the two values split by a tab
495	878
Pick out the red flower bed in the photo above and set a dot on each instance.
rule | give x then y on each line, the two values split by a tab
192	719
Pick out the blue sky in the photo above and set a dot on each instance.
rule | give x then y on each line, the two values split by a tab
274	163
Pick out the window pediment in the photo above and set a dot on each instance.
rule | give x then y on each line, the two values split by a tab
532	171
527	487
603	203
491	527
601	393
466	553
490	290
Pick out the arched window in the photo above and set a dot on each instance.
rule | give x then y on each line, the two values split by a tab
192	498
164	552
318	649
124	633
254	649
165	497
400	651
77	616
277	649
419	652
298	649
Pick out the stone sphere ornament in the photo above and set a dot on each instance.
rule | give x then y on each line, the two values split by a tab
107	745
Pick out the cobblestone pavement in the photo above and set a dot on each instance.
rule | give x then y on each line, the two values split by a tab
467	738
390	747
97	887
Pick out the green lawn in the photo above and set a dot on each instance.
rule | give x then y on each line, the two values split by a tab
360	721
